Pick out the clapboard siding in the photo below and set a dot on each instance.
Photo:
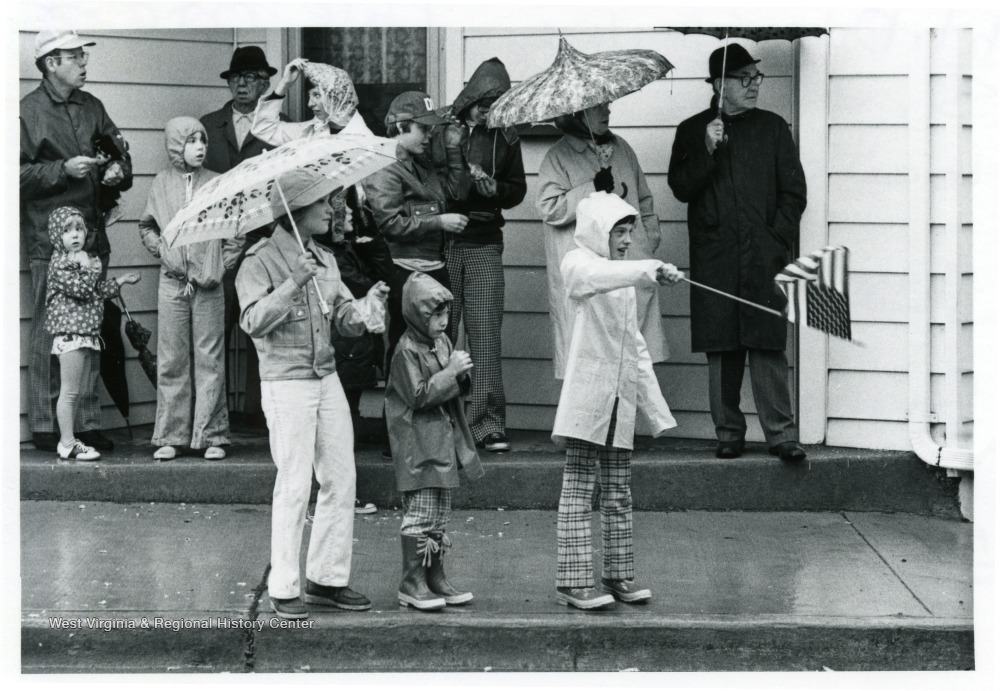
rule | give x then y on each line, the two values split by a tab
648	120
144	78
869	211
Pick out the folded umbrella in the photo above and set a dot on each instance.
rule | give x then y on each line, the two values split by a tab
234	203
576	81
138	335
113	360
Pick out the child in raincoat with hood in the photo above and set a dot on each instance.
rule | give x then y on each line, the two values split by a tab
191	306
609	379
430	439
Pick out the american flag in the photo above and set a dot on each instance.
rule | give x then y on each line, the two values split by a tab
816	287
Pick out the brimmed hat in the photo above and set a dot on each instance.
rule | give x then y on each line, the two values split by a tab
248	59
413	105
737	57
302	187
66	39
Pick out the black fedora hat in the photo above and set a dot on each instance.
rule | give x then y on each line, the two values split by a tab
248	59
737	57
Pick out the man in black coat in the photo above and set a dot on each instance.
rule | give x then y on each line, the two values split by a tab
229	144
741	177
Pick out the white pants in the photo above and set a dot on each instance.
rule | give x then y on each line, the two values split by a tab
310	429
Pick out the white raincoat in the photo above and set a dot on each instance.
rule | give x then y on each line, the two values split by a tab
607	356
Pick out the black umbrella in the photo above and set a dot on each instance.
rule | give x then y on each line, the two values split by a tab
753	33
113	360
138	336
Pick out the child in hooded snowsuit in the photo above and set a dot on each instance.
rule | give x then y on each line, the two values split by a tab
74	309
609	378
191	306
430	439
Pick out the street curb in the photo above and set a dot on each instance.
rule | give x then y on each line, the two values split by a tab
466	641
48	650
851	480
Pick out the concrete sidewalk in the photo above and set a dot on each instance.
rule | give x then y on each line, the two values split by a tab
732	591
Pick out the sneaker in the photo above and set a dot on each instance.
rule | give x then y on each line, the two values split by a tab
289	608
788	451
78	451
496	442
44	441
96	439
215	453
362	508
165	453
583	598
626	591
340	597
730	449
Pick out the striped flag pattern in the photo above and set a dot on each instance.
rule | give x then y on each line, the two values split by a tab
816	287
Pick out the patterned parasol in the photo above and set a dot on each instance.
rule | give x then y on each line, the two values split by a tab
237	202
576	81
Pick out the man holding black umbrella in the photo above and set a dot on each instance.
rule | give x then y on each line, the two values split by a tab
737	168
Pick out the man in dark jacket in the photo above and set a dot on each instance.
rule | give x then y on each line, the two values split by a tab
475	256
61	126
229	144
740	175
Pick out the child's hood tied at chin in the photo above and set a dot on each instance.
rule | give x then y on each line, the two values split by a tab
175	136
57	219
596	215
421	296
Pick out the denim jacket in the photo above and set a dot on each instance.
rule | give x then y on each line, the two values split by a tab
290	332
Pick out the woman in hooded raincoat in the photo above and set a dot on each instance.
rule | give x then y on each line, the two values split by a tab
190	307
609	378
475	256
591	157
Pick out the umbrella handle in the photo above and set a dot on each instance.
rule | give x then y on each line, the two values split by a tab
722	85
124	308
323	306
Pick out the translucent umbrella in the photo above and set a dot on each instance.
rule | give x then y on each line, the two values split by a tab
233	204
576	81
752	33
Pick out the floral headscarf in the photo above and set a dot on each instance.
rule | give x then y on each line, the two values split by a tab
340	100
57	219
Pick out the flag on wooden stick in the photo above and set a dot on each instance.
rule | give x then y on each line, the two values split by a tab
816	287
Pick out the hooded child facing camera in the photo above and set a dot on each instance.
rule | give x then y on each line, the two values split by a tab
430	439
609	379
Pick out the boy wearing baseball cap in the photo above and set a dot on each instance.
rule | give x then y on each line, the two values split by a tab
409	200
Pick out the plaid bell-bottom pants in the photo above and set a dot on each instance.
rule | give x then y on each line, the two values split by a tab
584	462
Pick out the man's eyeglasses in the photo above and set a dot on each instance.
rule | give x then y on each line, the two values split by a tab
248	77
80	58
748	80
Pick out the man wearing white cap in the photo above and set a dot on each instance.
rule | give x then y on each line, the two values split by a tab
61	126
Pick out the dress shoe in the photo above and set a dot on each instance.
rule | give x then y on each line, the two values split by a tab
96	438
730	449
788	451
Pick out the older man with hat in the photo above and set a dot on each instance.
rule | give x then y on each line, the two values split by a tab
61	128
737	168
229	144
307	413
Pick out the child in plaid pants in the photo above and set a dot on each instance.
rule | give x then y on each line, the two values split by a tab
430	439
608	373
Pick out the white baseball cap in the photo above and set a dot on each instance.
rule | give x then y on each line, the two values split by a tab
66	39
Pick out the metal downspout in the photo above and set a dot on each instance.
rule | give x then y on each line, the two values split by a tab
920	416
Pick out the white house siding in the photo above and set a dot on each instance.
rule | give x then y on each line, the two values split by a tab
869	211
647	120
144	78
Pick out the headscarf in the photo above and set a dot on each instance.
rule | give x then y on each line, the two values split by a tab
340	100
57	219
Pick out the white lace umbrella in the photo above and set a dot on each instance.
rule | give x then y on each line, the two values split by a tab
239	201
